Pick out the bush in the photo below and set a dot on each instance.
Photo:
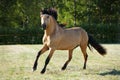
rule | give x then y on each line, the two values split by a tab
104	33
21	36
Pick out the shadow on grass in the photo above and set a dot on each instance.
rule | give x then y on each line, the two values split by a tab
113	72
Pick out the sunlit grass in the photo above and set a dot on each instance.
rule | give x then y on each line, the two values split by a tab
16	63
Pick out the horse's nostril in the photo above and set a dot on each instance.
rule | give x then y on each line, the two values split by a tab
44	26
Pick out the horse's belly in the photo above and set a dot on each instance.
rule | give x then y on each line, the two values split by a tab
67	45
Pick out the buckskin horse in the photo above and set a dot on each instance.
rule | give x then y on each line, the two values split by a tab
58	38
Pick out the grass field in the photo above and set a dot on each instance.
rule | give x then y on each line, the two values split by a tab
16	63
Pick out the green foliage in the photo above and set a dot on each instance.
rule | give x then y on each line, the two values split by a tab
104	33
20	18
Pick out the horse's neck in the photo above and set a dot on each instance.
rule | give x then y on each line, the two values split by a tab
57	26
53	28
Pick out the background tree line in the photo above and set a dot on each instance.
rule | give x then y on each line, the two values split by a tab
20	21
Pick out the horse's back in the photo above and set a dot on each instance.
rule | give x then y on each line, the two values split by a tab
76	31
72	37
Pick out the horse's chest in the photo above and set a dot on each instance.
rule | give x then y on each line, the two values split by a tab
51	41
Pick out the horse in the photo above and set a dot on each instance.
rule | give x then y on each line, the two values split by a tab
58	38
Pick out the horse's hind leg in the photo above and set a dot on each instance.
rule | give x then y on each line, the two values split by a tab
83	49
45	48
69	59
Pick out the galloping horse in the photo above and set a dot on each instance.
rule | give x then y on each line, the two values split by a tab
58	38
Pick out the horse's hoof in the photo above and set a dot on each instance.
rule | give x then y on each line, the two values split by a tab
43	71
63	68
34	68
84	68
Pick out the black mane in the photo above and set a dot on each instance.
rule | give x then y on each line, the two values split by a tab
51	12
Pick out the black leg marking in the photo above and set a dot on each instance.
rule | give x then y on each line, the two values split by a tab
64	67
35	66
84	67
43	70
35	63
46	63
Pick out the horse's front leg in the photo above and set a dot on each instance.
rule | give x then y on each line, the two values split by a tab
47	60
45	48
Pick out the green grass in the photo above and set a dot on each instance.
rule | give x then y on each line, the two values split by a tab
16	63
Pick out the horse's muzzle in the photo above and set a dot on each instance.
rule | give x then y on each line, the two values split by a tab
43	26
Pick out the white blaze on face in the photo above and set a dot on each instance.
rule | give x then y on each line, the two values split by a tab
42	20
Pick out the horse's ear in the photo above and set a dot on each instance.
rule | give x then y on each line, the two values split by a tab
41	11
54	9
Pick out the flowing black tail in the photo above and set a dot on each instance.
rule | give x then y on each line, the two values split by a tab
96	45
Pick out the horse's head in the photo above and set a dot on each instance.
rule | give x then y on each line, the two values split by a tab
45	21
47	16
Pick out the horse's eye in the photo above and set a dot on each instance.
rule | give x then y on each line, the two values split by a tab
47	16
